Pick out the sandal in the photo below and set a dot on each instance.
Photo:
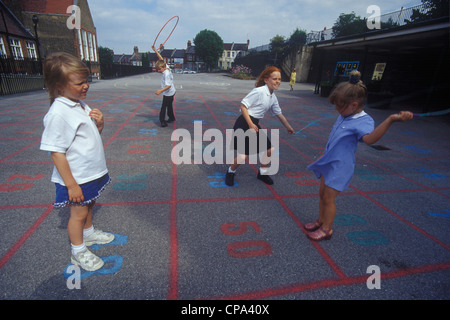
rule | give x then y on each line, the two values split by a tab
320	234
313	226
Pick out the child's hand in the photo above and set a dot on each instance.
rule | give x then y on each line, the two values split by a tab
254	127
97	115
402	116
75	194
290	130
158	92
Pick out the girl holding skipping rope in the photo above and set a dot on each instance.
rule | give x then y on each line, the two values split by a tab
336	166
253	108
72	136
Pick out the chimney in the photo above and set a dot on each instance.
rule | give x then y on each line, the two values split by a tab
136	50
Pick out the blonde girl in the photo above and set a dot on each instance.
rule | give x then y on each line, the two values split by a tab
72	136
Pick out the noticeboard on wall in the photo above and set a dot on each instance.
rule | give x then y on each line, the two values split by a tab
378	71
343	68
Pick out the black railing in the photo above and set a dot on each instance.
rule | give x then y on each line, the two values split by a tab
109	71
17	76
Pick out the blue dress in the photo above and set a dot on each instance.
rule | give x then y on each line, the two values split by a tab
337	165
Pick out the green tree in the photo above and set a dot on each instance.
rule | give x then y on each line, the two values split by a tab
348	24
296	40
145	59
105	55
277	44
209	47
434	9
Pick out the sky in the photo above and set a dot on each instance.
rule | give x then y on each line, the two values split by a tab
123	24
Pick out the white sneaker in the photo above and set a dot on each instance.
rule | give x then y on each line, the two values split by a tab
87	260
98	237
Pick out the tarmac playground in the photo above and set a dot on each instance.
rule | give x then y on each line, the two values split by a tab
182	234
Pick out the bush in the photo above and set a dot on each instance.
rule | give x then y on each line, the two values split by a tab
241	72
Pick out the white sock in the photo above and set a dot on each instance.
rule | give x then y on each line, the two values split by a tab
87	232
263	170
231	171
78	249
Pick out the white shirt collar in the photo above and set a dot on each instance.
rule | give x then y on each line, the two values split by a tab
359	115
267	91
69	102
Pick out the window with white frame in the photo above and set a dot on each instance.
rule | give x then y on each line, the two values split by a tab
94	44
91	50
31	49
85	44
2	48
16	48
80	44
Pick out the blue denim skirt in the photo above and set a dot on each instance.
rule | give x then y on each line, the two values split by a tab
91	192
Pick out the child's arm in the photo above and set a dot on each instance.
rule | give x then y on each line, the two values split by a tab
380	130
61	164
97	115
285	123
247	118
158	92
157	53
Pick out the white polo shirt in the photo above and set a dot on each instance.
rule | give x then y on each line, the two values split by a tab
259	101
69	129
167	80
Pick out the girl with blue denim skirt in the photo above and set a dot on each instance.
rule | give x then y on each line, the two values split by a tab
72	136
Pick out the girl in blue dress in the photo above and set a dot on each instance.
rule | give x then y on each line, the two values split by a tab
336	166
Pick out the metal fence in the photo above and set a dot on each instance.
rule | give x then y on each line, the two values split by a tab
110	71
17	76
404	16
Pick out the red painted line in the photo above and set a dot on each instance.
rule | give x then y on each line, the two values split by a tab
12	124
111	101
403	219
23	149
173	232
322	252
126	121
28	105
329	283
212	113
25	237
316	245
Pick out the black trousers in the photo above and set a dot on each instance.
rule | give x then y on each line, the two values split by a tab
167	105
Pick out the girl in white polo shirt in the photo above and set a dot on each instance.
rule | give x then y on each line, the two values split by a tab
72	136
253	108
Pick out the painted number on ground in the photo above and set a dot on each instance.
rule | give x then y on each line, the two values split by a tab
249	248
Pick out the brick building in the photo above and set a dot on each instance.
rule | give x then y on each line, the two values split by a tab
55	30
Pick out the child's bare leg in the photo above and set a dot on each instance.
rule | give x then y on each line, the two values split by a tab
77	222
327	206
238	161
265	158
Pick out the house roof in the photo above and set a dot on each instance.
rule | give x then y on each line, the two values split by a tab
15	27
236	46
172	53
121	58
